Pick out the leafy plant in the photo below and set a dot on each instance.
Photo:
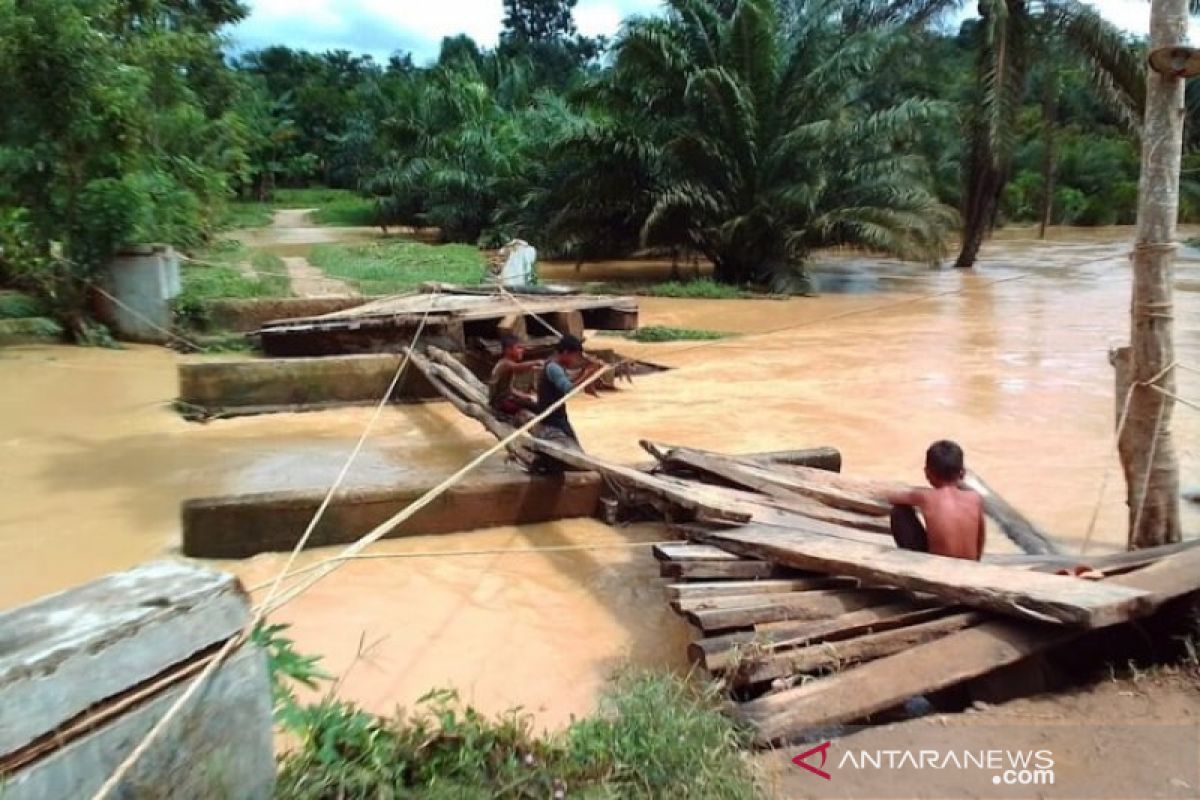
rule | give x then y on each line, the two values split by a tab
655	736
285	668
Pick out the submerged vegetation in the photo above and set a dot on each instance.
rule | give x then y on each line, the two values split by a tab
656	735
663	333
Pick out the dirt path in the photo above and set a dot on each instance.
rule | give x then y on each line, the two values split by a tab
307	280
1117	738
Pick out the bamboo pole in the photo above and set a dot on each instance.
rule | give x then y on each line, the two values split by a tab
1146	447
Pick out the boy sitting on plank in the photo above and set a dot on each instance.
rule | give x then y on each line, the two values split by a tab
953	515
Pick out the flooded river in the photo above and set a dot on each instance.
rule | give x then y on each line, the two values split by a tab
1010	361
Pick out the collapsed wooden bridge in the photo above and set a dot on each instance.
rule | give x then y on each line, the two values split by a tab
801	602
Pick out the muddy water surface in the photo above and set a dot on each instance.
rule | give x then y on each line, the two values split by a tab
1011	361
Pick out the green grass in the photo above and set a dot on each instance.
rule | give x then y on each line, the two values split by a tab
663	333
392	266
338	207
218	276
656	735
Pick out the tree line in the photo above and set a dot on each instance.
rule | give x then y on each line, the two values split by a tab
746	132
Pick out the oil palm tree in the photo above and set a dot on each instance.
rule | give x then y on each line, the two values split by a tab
767	148
1010	33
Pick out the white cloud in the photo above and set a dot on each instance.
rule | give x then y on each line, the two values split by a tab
381	27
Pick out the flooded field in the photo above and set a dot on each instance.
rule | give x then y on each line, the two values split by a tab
1010	360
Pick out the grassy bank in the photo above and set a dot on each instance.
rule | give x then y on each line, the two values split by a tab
228	269
337	207
656	735
391	266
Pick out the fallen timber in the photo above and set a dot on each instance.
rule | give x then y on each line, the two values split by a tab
788	579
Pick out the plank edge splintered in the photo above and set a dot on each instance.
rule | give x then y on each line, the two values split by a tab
1020	593
886	682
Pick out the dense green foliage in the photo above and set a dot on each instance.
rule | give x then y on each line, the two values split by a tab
747	133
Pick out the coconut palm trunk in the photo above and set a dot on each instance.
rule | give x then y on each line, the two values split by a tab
1146	447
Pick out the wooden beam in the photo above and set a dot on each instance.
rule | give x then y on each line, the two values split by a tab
1023	533
716	653
759	478
835	655
1033	595
693	591
716	570
887	682
689	604
682	551
817	604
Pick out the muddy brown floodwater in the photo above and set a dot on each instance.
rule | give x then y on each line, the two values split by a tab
1010	360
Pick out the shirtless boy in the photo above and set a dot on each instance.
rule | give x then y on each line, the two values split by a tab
502	394
953	515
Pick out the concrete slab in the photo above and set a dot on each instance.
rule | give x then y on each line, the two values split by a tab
244	525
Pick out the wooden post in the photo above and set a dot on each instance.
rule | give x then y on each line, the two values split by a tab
1147	451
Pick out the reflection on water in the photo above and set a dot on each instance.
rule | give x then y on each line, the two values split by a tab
1010	360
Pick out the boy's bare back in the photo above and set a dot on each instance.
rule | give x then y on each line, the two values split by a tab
953	521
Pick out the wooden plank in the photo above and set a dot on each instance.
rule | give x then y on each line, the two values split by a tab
757	478
835	655
716	570
1023	533
691	552
717	652
709	602
825	458
691	591
818	604
889	681
1034	595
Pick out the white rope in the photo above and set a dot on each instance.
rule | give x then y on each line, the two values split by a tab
143	317
495	551
109	785
381	530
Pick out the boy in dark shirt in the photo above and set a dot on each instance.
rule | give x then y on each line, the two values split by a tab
953	515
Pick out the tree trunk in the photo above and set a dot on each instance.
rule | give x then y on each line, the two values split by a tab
1146	447
979	215
1049	157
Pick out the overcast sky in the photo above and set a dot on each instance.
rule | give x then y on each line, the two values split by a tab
380	27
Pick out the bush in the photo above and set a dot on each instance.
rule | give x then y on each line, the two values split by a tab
14	305
655	736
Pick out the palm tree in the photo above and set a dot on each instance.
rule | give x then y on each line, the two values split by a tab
1010	33
759	146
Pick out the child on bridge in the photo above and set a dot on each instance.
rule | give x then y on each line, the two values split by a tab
953	514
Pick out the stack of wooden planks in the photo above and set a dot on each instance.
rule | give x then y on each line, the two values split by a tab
802	604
